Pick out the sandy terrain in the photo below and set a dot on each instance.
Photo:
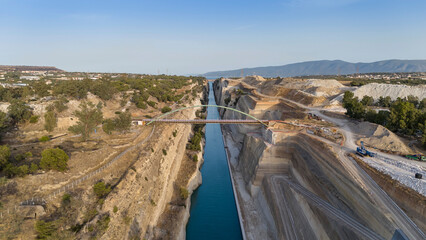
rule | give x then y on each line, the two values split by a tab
376	90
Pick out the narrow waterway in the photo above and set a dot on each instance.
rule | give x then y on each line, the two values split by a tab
213	210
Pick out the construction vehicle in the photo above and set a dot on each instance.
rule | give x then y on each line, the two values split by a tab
417	157
362	151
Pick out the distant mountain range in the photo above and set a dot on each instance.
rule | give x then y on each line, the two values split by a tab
325	67
28	68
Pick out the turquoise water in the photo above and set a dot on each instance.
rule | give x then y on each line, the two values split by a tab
213	210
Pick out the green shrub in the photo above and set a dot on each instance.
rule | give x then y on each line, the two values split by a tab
151	103
66	199
3	181
195	158
10	170
34	119
103	223
127	219
115	209
33	168
60	104
164	152
44	229
4	156
174	133
28	154
166	109
184	193
195	142
55	159
19	157
23	170
50	121
19	111
108	126
89	215
141	105
44	139
123	122
101	189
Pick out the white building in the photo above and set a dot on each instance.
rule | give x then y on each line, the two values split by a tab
31	78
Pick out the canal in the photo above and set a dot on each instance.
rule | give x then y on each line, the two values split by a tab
213	210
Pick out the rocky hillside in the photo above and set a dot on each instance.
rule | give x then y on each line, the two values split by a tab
29	68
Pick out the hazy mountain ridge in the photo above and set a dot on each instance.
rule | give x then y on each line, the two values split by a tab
29	68
326	67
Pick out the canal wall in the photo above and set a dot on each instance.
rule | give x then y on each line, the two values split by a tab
234	189
194	182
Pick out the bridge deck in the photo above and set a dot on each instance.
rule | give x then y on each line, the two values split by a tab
202	121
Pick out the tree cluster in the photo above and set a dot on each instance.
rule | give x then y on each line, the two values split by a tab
195	142
12	167
89	117
361	82
54	159
406	116
121	123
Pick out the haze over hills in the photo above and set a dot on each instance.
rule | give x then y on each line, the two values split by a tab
325	67
28	68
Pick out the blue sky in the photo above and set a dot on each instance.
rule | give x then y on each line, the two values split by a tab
189	36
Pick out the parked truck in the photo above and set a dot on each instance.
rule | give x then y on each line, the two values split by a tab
417	157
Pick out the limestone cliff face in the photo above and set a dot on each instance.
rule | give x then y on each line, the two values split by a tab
145	190
257	157
251	153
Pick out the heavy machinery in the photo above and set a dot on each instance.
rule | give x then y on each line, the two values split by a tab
362	151
417	157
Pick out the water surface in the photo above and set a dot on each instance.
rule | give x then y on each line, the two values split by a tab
213	210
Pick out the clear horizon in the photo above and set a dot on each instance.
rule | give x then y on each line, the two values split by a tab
195	37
